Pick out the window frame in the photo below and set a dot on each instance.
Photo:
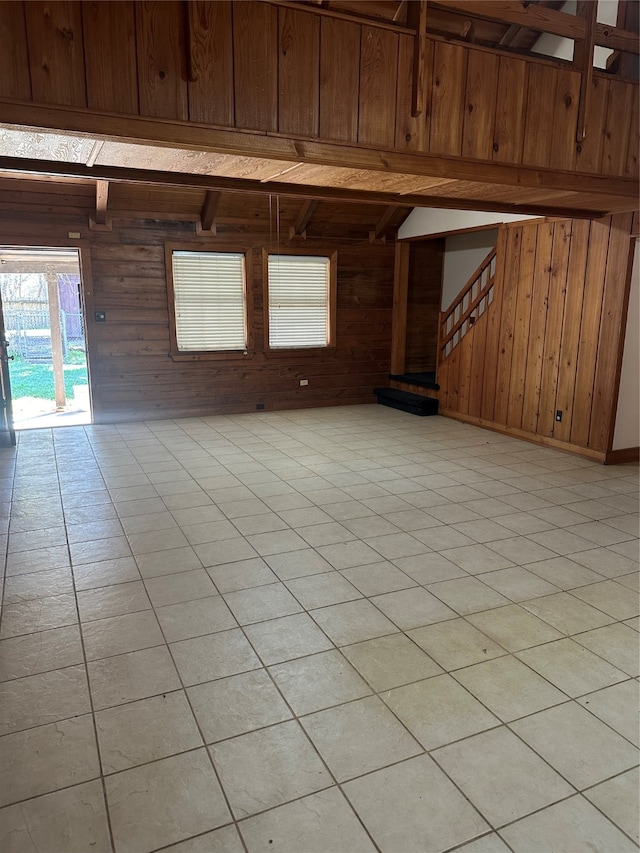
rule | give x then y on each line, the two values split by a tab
209	355
332	257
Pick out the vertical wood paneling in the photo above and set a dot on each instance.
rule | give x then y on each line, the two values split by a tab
616	293
412	132
443	381
339	79
109	30
508	134
563	352
631	169
378	82
521	324
539	130
162	59
617	126
298	71
453	383
211	57
509	298
589	151
464	372
571	329
56	53
477	366
492	341
553	331
537	325
15	80
565	120
449	72
255	56
589	330
480	105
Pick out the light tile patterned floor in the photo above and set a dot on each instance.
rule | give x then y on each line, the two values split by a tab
325	631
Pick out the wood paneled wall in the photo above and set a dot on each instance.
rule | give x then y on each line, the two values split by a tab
254	66
423	305
132	374
552	337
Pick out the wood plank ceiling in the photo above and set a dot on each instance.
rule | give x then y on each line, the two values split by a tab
300	167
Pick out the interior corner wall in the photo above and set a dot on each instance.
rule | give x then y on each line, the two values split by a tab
542	362
462	256
627	428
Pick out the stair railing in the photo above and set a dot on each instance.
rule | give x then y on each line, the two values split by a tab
472	301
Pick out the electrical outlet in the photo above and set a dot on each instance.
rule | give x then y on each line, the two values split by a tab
304	381
558	416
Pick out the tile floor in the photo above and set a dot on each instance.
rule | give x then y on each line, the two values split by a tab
326	631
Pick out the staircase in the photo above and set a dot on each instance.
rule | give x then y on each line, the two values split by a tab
468	306
417	393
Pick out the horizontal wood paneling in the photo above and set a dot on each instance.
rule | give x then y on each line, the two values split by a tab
132	374
556	327
254	66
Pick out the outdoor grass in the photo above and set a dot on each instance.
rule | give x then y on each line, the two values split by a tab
29	379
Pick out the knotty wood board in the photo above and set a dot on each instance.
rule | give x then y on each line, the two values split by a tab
56	52
567	390
109	29
480	105
521	326
378	81
211	92
447	99
339	79
298	71
15	80
553	330
537	325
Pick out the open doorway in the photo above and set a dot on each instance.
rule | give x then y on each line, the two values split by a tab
45	334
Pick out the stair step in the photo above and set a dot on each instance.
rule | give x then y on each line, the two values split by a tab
423	380
406	402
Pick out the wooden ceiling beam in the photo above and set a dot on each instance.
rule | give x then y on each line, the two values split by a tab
378	232
299	227
382	23
206	224
293	150
533	17
99	220
11	165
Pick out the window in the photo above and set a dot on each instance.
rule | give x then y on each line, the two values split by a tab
209	301
300	288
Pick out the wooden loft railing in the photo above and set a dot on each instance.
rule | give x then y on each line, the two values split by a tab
470	304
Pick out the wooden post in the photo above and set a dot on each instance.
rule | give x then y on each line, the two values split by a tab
399	315
56	339
583	61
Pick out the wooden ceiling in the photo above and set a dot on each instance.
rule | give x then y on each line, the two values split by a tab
482	139
442	21
286	218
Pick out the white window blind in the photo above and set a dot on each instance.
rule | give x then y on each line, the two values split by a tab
208	290
298	301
